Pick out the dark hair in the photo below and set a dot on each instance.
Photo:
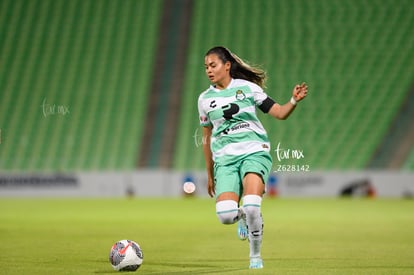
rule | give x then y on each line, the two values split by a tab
239	68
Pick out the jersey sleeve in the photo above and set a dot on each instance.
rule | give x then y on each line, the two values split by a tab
203	116
262	100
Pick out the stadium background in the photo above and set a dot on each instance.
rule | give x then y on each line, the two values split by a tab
113	85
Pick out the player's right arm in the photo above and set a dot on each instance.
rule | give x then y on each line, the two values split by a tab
208	156
284	111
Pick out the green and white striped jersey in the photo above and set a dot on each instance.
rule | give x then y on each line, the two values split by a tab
236	129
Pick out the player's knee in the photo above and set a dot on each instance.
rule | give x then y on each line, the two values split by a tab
227	211
227	218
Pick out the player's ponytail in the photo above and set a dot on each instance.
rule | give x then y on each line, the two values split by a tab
239	68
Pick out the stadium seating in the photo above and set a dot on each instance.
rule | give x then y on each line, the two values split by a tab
75	76
409	164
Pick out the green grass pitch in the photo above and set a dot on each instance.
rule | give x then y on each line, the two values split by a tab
183	236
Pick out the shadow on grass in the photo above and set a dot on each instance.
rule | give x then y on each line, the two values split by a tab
199	267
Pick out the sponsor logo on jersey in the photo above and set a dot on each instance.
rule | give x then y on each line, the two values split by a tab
236	127
240	126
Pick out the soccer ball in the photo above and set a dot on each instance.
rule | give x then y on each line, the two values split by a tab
126	255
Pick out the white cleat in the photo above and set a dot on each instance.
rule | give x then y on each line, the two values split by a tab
256	263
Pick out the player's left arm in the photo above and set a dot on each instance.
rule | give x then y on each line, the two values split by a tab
283	111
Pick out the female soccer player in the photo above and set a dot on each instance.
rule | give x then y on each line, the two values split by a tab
236	146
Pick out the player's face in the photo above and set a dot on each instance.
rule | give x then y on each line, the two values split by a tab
217	71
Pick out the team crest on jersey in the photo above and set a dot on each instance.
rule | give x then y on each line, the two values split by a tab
240	95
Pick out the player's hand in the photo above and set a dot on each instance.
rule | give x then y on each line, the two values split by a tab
210	187
300	92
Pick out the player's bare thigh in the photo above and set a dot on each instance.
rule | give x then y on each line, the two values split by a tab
228	196
253	184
